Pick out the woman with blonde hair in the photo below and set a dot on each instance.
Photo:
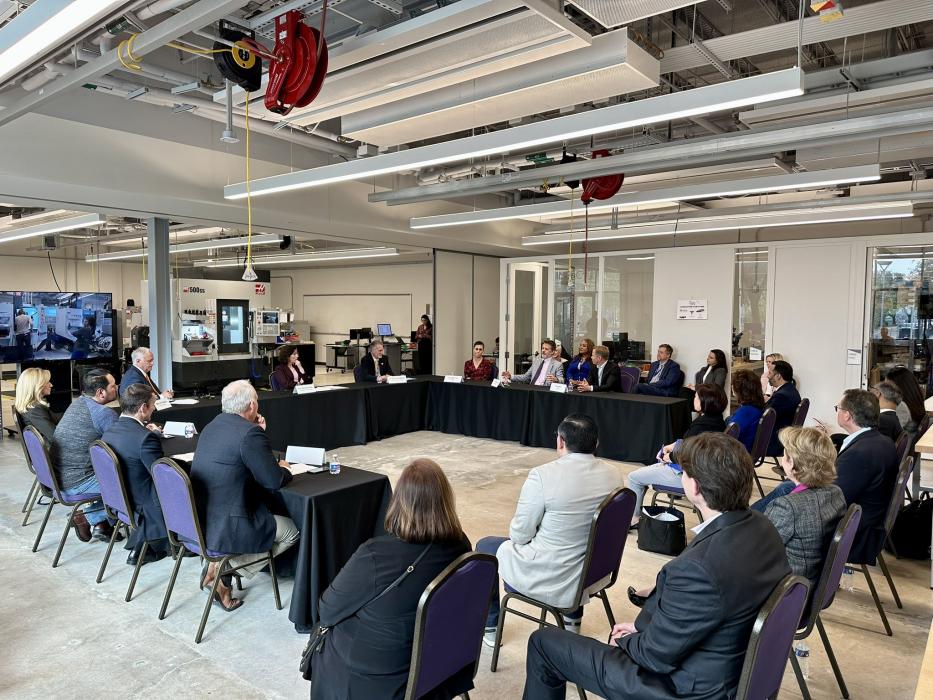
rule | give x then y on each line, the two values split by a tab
806	517
32	388
766	388
367	649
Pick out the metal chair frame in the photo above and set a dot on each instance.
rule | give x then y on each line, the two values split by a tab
223	569
273	384
816	609
36	490
421	618
783	588
556	612
126	527
56	497
760	447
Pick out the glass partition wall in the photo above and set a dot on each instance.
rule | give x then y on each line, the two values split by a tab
901	311
749	308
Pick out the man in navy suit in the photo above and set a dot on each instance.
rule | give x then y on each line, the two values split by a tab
665	376
689	639
784	401
233	468
143	360
138	447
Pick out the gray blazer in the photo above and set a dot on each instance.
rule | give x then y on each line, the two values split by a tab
806	521
544	557
555	368
717	376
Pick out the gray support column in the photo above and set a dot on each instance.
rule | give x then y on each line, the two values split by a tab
160	302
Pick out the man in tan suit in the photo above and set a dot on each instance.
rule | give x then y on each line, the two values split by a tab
543	556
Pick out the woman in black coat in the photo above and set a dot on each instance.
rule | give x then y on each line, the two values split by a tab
367	652
289	372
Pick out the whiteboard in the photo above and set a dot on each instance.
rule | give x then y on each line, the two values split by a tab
331	316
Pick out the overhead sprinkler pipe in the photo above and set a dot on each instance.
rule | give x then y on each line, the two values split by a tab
228	136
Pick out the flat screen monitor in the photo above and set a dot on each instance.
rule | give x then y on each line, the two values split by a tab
55	326
233	322
383	329
270	317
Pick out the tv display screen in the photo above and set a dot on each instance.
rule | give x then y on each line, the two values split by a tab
55	326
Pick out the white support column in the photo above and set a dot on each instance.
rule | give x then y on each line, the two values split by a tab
160	301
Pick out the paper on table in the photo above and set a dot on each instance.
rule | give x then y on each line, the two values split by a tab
185	457
184	402
299	468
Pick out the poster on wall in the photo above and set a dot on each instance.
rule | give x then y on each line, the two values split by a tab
691	309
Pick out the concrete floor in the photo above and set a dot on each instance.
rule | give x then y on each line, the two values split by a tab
94	641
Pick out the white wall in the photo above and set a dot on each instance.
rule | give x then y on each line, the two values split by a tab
32	274
693	273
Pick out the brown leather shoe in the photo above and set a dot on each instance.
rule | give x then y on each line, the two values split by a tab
82	527
104	531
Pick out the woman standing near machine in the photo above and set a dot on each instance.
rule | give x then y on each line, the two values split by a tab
424	336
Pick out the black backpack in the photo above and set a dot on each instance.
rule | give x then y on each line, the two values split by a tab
910	536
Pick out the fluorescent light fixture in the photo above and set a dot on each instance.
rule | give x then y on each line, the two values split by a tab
712	98
646	257
212	244
801	217
73	222
187	87
730	188
138	92
44	25
324	256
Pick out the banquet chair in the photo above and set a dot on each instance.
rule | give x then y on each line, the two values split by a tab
760	445
36	490
732	430
184	532
894	507
800	415
450	622
39	456
633	374
772	638
273	384
358	374
116	500
604	549
823	595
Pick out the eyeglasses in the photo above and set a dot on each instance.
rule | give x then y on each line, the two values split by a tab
836	408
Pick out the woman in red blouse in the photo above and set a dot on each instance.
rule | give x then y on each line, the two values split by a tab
478	367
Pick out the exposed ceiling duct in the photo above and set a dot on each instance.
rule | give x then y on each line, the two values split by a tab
613	65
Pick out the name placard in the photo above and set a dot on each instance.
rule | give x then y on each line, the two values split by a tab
453	379
304	389
396	379
558	388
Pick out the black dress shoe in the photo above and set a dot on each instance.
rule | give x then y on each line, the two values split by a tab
637	600
151	556
102	532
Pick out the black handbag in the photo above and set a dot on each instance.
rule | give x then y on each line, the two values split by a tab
662	536
315	643
910	536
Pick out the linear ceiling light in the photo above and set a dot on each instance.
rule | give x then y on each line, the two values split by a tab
324	256
730	188
260	239
44	25
802	217
712	98
73	222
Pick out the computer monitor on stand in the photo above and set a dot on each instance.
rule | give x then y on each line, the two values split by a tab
384	329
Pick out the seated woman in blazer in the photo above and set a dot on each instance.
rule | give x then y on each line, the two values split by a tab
32	388
714	372
710	401
807	516
367	651
289	372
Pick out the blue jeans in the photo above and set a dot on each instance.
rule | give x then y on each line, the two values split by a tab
782	489
93	511
490	545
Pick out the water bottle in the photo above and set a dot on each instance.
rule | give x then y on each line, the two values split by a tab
847	580
189	430
334	464
802	652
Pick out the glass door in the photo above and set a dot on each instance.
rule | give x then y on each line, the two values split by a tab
576	312
526	322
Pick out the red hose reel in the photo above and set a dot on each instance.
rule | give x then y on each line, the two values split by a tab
603	187
297	73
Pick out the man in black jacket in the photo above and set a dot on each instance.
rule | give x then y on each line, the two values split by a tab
866	470
374	366
689	640
138	447
784	401
604	375
233	465
889	396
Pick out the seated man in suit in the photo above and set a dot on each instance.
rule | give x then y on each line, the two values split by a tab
604	375
233	468
889	396
143	360
665	376
544	371
689	640
138	446
784	400
375	366
543	555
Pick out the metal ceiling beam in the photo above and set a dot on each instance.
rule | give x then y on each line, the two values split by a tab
196	16
699	152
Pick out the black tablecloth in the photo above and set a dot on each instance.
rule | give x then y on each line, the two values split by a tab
394	409
631	427
478	410
335	515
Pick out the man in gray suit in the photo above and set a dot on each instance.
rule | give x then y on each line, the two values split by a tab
543	556
545	370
